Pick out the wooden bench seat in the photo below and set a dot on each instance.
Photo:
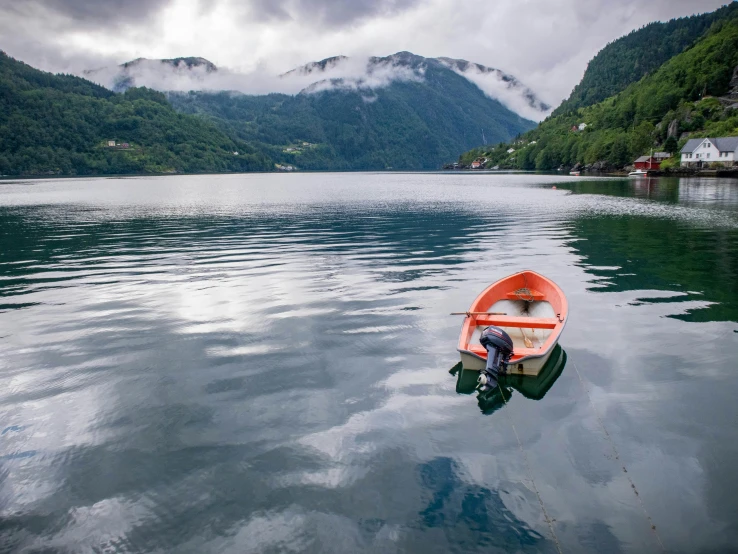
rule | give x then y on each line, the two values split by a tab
513	321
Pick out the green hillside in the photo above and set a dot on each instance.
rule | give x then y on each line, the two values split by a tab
60	124
691	93
405	125
630	58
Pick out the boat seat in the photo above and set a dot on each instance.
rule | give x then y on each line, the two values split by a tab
517	321
536	295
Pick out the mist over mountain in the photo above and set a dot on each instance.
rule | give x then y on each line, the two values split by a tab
338	72
153	73
344	72
503	86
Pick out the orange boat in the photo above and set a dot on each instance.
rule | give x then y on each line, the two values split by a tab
527	306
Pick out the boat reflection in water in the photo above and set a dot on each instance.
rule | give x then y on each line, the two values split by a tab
534	388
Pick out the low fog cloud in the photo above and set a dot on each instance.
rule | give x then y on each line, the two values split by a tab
358	73
504	88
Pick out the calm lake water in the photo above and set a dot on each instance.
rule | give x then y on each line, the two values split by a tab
261	363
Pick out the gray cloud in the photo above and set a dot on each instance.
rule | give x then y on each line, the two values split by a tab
328	12
106	12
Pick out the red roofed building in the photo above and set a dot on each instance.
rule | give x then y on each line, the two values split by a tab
651	162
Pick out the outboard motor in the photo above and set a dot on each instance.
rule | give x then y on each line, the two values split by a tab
499	347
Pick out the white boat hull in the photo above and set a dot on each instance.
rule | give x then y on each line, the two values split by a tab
526	366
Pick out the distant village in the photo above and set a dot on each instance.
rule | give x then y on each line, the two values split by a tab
697	155
294	149
297	148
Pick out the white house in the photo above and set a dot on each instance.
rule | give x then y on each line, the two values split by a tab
510	150
582	126
708	150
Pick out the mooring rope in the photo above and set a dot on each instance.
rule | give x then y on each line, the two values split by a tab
524	293
530	475
617	457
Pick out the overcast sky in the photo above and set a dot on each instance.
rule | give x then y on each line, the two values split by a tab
545	43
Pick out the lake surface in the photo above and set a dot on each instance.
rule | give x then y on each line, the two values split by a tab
261	363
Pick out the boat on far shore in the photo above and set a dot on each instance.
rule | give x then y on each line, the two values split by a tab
638	173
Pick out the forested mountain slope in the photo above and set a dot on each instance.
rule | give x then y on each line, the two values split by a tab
629	58
60	124
691	93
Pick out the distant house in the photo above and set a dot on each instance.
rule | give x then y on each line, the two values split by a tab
707	150
510	150
582	126
479	163
125	145
111	143
651	162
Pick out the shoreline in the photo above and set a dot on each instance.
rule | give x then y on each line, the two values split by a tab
716	173
682	173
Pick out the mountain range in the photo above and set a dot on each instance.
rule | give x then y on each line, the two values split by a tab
402	112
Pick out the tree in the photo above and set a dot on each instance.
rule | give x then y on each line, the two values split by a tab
671	145
619	152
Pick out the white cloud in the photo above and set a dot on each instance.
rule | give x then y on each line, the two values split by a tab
360	74
502	87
